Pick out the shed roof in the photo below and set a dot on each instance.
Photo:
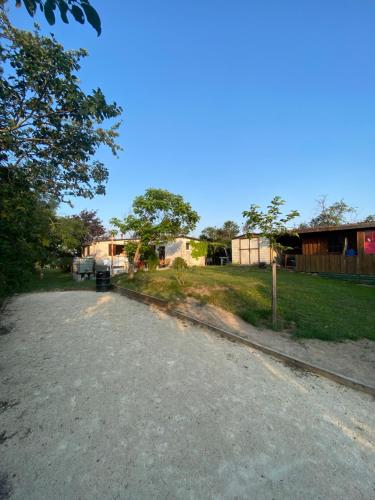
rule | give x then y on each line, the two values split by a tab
342	227
245	236
322	229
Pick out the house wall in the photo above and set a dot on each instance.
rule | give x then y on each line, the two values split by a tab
251	251
314	244
101	252
319	244
177	248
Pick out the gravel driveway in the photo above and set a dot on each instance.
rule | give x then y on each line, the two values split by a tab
105	398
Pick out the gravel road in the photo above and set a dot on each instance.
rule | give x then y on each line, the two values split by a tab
102	397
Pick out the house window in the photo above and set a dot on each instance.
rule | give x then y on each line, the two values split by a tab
188	245
335	243
117	249
369	246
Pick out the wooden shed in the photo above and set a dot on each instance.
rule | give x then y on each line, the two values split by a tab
345	249
251	251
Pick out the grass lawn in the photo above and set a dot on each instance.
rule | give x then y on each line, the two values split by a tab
309	306
55	280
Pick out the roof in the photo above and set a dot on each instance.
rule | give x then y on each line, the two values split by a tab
189	238
115	240
244	236
322	229
342	227
108	240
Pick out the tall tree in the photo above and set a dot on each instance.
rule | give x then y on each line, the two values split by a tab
209	233
50	129
370	218
158	217
68	235
229	230
93	225
25	220
226	233
331	215
270	225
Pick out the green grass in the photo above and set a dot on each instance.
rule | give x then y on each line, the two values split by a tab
309	306
55	280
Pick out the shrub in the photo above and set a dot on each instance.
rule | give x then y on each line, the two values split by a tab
179	264
152	262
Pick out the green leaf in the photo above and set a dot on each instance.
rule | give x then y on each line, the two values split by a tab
77	14
30	6
63	11
48	11
92	17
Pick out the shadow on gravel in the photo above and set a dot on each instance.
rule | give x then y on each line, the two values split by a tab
5	330
5	486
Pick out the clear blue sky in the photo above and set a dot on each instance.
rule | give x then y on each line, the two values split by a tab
232	102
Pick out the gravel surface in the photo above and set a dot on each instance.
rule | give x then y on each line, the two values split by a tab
102	397
352	359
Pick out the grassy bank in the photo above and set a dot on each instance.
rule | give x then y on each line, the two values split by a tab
309	306
54	280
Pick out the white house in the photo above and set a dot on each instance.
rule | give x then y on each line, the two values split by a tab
111	253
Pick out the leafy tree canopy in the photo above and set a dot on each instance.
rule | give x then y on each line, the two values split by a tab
67	235
80	10
49	128
331	215
225	234
25	231
93	225
70	233
270	224
158	216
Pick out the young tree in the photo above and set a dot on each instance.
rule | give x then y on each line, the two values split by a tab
331	215
270	225
50	129
158	217
79	9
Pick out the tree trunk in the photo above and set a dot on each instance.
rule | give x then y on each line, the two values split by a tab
274	296
134	261
131	270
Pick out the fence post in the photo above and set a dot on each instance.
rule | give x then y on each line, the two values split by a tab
274	295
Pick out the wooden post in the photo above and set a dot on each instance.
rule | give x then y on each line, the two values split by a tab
112	257
274	296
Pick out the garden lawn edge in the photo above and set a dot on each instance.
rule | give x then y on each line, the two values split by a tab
285	358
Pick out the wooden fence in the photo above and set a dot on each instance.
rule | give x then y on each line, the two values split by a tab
358	264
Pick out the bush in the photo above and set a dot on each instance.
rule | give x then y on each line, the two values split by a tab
179	264
152	262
